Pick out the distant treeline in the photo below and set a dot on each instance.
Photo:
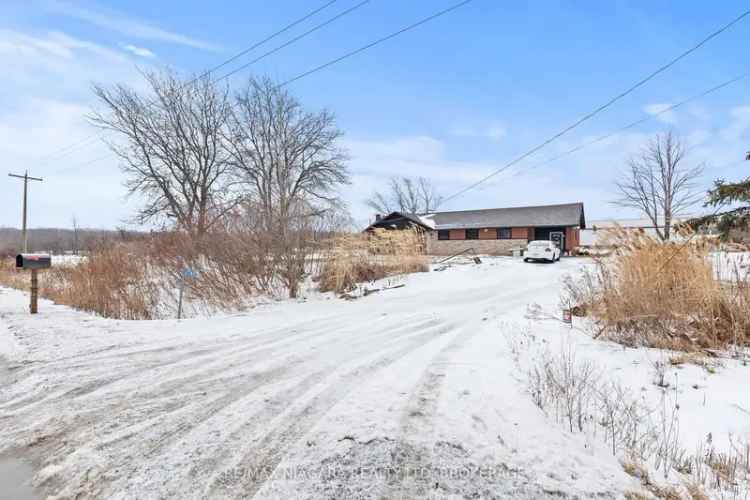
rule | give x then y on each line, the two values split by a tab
61	241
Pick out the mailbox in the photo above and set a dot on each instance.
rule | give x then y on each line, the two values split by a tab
33	261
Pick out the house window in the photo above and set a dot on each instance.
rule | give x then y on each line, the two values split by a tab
503	233
472	234
444	234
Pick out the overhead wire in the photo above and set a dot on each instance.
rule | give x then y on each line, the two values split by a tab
66	150
602	107
374	43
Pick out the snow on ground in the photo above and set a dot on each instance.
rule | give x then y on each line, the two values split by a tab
731	266
406	393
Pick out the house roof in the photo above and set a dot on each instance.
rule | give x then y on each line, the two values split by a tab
398	219
568	214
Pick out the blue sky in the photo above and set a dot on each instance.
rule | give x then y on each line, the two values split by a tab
451	100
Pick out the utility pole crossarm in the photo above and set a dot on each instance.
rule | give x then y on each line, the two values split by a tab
26	177
26	180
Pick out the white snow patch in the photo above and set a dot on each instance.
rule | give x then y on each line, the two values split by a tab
404	393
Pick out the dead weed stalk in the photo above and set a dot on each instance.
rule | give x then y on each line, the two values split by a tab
351	259
665	295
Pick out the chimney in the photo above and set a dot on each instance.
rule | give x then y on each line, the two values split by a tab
378	217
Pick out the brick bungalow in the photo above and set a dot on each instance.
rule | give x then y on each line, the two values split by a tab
494	231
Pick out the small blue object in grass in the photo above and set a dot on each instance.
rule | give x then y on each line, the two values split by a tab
188	273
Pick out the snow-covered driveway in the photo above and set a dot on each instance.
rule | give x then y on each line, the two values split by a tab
402	394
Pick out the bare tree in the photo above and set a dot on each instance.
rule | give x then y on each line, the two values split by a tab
289	161
172	147
404	194
659	184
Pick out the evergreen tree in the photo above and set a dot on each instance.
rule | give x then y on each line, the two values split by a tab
725	194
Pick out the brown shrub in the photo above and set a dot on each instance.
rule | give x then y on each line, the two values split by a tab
113	282
140	279
351	259
229	266
663	295
12	277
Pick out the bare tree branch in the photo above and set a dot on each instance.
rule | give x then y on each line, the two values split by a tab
405	194
659	184
172	148
290	163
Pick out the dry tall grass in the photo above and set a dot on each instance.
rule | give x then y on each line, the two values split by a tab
12	277
112	282
351	259
663	295
140	279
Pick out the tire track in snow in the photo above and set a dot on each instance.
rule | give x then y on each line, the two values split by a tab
286	368
286	428
184	361
164	412
198	429
417	425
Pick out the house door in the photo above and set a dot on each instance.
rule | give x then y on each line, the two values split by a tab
559	238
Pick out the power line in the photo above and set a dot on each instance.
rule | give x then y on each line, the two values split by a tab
635	123
376	42
604	106
298	37
267	39
89	139
364	47
85	164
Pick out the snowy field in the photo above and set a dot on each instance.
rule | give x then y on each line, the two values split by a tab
413	392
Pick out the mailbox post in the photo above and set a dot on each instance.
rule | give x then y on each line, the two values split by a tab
33	262
33	307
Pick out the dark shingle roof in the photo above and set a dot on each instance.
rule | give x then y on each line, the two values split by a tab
569	214
399	219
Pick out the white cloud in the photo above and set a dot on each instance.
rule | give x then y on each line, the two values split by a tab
739	125
33	138
587	175
374	161
57	64
494	131
46	96
53	44
120	23
658	110
139	51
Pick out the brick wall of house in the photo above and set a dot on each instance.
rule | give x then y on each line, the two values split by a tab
482	246
457	234
572	238
488	234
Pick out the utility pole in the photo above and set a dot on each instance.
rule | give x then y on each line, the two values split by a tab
26	180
